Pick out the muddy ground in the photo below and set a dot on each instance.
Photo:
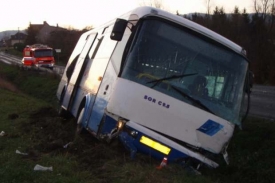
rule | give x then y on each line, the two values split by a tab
8	85
53	134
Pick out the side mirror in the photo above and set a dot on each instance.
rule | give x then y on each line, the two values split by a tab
118	29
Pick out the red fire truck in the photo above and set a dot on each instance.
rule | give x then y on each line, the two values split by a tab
38	55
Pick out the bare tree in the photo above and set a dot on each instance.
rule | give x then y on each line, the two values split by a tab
153	3
32	35
158	4
263	33
208	7
263	7
87	28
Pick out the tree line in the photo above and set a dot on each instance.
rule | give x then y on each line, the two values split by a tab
255	32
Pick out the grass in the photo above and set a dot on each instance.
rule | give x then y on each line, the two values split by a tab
32	125
17	168
12	51
42	85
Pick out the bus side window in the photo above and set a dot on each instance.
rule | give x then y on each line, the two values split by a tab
71	67
104	47
94	50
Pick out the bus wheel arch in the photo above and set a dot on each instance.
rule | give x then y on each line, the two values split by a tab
61	111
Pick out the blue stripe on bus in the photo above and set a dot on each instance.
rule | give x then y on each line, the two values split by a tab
210	127
97	113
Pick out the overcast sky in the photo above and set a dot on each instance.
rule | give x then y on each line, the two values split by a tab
18	14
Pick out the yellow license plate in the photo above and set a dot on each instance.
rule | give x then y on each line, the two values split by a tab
155	145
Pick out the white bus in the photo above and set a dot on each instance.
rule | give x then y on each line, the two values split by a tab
160	83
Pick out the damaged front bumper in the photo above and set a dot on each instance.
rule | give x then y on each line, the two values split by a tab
137	138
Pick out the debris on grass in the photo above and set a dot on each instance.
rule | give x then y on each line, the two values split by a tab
18	152
2	134
66	145
42	168
163	163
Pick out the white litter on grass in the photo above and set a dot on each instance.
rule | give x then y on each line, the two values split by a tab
2	134
66	146
18	152
42	168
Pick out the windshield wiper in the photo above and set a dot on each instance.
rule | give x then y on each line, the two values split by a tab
195	101
171	77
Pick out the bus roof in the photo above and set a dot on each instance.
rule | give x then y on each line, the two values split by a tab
145	11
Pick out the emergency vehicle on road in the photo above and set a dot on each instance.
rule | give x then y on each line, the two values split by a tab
38	55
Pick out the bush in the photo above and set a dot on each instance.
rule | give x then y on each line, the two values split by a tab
19	46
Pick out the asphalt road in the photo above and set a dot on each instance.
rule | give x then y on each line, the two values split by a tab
263	102
10	59
262	97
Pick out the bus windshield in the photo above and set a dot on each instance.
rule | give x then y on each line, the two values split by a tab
43	53
188	66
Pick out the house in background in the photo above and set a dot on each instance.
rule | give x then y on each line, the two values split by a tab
2	43
19	37
44	30
41	33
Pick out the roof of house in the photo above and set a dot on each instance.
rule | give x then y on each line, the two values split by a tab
45	24
18	36
38	26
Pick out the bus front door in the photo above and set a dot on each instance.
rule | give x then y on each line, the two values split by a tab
77	74
103	76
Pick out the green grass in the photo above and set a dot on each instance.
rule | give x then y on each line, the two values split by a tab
17	168
31	123
34	82
251	154
12	51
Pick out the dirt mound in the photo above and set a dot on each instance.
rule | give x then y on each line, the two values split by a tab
49	130
53	134
8	85
13	116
